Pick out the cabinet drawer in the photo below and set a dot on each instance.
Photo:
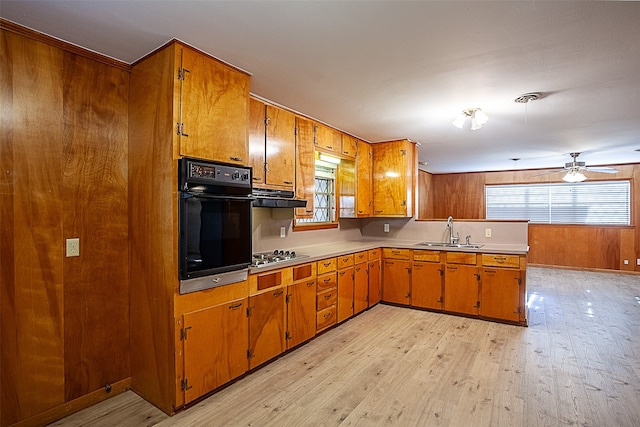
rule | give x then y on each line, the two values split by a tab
326	266
326	298
429	256
461	258
345	261
327	281
374	254
496	260
304	271
326	318
396	253
361	257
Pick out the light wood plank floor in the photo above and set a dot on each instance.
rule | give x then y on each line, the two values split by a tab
578	363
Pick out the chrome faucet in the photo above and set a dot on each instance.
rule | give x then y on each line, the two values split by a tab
452	239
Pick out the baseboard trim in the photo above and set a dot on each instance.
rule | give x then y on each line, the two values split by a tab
595	270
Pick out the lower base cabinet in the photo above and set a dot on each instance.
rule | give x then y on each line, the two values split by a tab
500	294
360	287
214	344
266	326
461	287
301	312
375	282
397	281
345	293
426	285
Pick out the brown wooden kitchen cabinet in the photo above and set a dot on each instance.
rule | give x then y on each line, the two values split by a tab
349	146
327	294
347	182
394	177
360	282
301	305
305	166
214	347
501	284
345	287
364	182
272	146
212	107
396	276
327	139
375	276
461	283
427	280
266	326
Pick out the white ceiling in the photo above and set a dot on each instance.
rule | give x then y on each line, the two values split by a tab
384	70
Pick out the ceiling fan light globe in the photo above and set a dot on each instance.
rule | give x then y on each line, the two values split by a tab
574	176
459	121
475	125
480	117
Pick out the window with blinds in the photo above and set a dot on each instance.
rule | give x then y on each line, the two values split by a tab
602	202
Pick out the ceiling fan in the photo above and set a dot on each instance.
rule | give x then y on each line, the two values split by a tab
575	168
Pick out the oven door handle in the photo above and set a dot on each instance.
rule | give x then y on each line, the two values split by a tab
187	195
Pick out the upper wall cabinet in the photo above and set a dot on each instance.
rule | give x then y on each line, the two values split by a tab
364	162
394	178
327	139
305	166
349	146
213	108
272	146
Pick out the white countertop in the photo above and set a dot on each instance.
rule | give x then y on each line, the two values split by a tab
318	252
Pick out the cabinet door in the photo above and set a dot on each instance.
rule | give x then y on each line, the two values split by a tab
345	294
364	195
393	178
257	140
266	327
305	167
215	347
349	146
396	281
327	139
461	289
426	285
214	110
281	145
301	312
347	189
375	290
500	294
360	288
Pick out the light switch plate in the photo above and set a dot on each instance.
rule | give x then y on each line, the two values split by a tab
386	228
487	232
283	232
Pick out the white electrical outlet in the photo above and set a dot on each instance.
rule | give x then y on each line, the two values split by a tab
626	262
638	261
386	228
487	232
73	247
283	232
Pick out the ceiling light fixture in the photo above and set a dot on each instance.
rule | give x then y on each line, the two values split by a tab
574	175
478	118
329	159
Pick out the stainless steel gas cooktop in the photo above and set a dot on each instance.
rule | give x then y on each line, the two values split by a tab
262	259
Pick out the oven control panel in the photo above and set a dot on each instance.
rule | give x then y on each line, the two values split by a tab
198	173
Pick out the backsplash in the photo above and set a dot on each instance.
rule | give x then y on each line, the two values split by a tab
267	224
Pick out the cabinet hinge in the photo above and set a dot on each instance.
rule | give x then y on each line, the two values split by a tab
249	310
404	203
441	271
518	310
287	299
266	121
403	152
180	129
519	281
249	354
184	384
287	336
183	333
182	73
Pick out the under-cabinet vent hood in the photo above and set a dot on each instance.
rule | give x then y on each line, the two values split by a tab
270	198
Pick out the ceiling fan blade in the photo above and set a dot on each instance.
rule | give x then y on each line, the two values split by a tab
602	170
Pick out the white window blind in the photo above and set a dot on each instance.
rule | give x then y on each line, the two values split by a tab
603	202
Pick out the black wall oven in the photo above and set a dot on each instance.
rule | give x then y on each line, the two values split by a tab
214	224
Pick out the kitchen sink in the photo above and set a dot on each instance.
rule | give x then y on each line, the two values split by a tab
451	245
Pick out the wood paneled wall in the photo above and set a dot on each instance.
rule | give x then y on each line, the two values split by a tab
462	196
65	321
